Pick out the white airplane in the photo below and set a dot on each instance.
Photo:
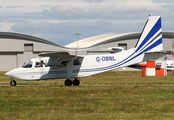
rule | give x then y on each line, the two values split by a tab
57	65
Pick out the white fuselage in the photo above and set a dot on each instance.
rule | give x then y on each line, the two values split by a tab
89	65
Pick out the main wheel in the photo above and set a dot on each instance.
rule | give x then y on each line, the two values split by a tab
76	82
68	82
13	83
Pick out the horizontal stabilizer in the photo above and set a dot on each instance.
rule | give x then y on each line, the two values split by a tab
152	52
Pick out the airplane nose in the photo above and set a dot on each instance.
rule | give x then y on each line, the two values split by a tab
8	73
13	73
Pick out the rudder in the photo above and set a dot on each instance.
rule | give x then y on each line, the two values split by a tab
151	36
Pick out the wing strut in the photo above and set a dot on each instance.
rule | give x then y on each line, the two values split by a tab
69	68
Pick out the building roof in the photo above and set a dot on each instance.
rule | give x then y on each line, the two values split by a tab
82	44
92	41
20	36
106	38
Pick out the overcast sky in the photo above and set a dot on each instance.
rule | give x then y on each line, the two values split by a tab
59	20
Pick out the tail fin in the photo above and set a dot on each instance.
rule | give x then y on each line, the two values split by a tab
151	36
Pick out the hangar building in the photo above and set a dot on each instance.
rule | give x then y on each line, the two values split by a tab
15	48
100	44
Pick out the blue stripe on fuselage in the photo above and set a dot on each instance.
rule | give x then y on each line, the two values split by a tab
158	42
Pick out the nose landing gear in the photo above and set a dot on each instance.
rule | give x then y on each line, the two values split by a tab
13	82
75	82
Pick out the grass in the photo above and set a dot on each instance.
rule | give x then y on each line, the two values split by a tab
93	103
111	78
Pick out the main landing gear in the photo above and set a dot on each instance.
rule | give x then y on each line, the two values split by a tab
13	82
75	82
68	82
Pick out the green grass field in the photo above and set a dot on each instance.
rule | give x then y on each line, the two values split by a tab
87	102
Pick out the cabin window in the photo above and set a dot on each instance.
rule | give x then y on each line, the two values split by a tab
28	64
38	64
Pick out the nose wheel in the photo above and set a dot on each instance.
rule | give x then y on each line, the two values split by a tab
13	82
75	82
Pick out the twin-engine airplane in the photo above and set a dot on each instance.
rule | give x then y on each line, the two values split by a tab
63	65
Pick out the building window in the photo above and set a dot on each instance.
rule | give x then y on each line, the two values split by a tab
28	47
123	45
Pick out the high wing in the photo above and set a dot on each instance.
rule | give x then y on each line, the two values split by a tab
56	54
63	55
60	59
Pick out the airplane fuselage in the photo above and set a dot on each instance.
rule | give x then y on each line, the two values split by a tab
82	67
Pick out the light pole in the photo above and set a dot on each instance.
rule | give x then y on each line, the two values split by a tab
77	41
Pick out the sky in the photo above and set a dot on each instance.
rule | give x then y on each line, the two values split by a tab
59	20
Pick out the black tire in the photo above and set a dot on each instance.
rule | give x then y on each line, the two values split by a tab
68	82
76	82
13	83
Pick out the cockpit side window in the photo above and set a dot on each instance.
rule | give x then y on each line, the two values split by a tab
38	64
28	65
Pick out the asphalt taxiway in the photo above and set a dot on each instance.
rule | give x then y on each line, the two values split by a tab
138	85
